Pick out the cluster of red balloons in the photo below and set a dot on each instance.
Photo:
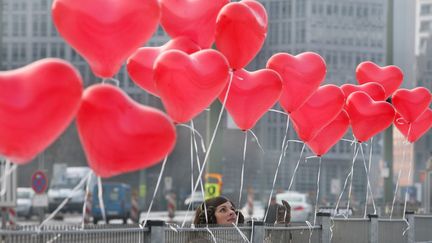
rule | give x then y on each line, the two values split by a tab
119	135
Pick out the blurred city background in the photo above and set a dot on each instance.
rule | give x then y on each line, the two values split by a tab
345	33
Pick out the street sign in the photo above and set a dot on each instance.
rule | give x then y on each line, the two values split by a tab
212	190
39	182
8	199
40	200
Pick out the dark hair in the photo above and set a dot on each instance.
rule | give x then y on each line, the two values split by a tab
211	205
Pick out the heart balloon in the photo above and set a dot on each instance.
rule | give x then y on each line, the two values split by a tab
241	29
411	103
368	117
318	111
418	128
301	77
118	134
187	84
251	95
330	134
104	32
389	77
374	90
140	64
195	19
37	103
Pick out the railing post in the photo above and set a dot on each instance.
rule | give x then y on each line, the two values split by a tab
157	231
324	221
373	236
411	231
258	231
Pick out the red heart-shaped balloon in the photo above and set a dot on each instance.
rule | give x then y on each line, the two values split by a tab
251	95
411	103
301	77
191	18
368	117
188	84
318	111
118	134
37	103
390	77
104	32
140	64
330	134
241	29
374	90
418	128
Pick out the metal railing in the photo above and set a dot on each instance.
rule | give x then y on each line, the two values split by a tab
416	228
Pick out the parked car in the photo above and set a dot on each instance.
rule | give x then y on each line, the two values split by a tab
301	208
116	200
24	202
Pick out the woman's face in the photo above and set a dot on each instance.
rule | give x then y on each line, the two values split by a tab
225	213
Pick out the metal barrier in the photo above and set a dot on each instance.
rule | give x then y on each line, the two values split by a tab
327	229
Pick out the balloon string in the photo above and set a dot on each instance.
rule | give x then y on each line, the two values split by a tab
369	168
356	150
85	201
351	183
395	193
256	138
100	196
242	235
201	183
113	80
242	173
296	168
206	157
155	192
74	190
409	176
318	190
7	171
195	132
368	183
277	168
192	158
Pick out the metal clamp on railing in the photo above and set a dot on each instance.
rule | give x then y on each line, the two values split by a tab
157	230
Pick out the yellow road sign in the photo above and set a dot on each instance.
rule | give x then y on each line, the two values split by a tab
212	190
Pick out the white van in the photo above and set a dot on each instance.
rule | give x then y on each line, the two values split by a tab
62	185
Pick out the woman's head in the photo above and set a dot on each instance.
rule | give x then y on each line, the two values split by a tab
220	210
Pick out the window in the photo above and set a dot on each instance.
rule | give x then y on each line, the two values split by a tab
426	9
15	25
23	27
15	52
425	26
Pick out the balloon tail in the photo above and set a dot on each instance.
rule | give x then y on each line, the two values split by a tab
395	193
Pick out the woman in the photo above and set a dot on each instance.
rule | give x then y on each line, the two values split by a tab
220	211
